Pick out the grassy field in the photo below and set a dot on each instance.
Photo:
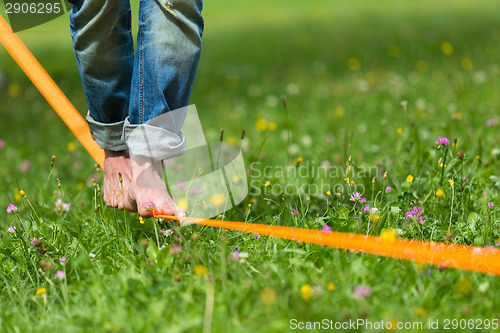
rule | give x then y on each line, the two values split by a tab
370	84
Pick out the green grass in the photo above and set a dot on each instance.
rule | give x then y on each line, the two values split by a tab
254	53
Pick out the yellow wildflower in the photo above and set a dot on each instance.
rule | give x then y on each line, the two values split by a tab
14	89
353	64
306	292
451	182
261	125
200	270
71	146
388	235
339	111
422	66
330	286
394	324
183	203
328	192
218	199
41	291
399	130
22	193
467	63
447	48
272	126
439	193
267	183
268	296
409	179
464	286
300	159
141	220
421	312
374	216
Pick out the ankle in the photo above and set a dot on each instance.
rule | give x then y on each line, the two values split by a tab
112	153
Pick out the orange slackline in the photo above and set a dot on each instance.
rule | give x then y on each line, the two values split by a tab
459	256
449	255
49	90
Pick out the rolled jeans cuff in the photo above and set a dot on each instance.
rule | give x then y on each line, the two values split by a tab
153	142
107	136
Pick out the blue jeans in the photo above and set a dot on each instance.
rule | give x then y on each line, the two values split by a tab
125	91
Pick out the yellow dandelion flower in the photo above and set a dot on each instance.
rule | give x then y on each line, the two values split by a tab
422	66
272	126
450	181
183	203
71	146
218	199
253	201
394	324
339	111
477	157
14	89
467	63
141	220
399	130
439	193
328	193
22	193
268	296
447	48
374	217
388	235
346	179
421	312
330	286
306	291
300	159
353	64
464	286
200	270
261	125
267	183
41	291
409	179
353	183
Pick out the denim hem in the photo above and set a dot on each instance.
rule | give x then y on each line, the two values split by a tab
107	136
153	142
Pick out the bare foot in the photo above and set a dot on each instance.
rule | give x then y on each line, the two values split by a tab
116	163
147	193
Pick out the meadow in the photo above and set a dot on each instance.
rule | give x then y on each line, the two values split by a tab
396	101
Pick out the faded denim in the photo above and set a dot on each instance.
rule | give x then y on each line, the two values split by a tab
124	90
